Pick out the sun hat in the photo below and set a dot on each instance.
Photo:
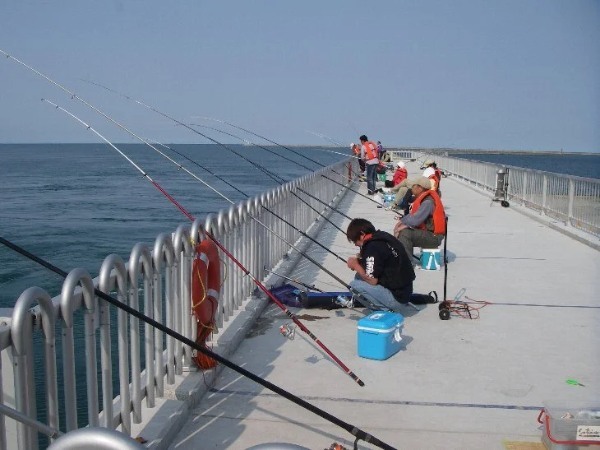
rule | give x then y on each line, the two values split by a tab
352	145
427	163
401	164
421	181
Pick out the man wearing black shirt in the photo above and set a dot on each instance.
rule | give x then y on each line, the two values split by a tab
384	273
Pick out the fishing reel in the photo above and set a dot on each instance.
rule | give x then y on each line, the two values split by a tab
288	331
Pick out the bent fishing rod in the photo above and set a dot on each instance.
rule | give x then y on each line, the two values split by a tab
152	108
352	429
279	179
75	96
293	151
273	176
221	247
291	225
294	280
339	144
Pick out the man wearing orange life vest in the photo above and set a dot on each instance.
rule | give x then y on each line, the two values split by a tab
425	226
368	152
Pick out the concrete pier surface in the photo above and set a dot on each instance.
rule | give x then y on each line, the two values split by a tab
457	384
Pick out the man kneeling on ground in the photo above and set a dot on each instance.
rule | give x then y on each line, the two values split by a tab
384	273
425	226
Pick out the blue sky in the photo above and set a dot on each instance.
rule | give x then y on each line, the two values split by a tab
510	74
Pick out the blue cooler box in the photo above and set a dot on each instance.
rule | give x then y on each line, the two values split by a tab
431	259
379	335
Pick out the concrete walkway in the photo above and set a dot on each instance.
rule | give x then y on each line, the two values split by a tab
456	384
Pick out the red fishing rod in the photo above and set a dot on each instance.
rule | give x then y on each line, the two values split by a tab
221	247
353	430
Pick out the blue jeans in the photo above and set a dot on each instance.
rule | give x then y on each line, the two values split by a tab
371	177
380	298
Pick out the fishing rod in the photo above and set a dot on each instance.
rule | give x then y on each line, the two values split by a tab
223	249
262	169
293	280
322	136
263	206
352	429
293	151
74	96
280	179
336	143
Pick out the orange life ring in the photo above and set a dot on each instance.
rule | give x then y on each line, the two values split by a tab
206	286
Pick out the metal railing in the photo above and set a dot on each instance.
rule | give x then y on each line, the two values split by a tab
575	201
134	361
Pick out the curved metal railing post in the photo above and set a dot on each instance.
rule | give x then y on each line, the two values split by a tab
140	261
22	337
69	303
114	263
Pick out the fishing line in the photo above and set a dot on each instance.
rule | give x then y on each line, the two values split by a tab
353	430
186	213
253	217
262	169
293	151
75	96
224	250
281	180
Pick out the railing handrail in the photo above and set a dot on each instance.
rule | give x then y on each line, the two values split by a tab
163	283
573	200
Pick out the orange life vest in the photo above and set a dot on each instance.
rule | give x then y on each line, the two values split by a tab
356	149
370	150
206	284
439	215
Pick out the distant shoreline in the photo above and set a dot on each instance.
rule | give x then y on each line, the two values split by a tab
432	150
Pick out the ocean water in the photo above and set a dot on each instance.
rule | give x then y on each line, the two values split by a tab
587	165
75	204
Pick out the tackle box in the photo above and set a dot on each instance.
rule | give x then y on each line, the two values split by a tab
288	295
325	300
379	335
570	427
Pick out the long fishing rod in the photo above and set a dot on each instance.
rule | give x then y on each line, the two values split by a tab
223	249
264	207
279	145
293	280
352	429
334	142
293	151
75	96
262	169
280	179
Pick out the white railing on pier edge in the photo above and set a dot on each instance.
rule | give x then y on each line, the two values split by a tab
135	361
575	201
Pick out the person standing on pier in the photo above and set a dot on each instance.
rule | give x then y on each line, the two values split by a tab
384	273
361	162
368	152
425	226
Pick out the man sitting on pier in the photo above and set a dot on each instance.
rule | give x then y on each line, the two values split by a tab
425	226
384	274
